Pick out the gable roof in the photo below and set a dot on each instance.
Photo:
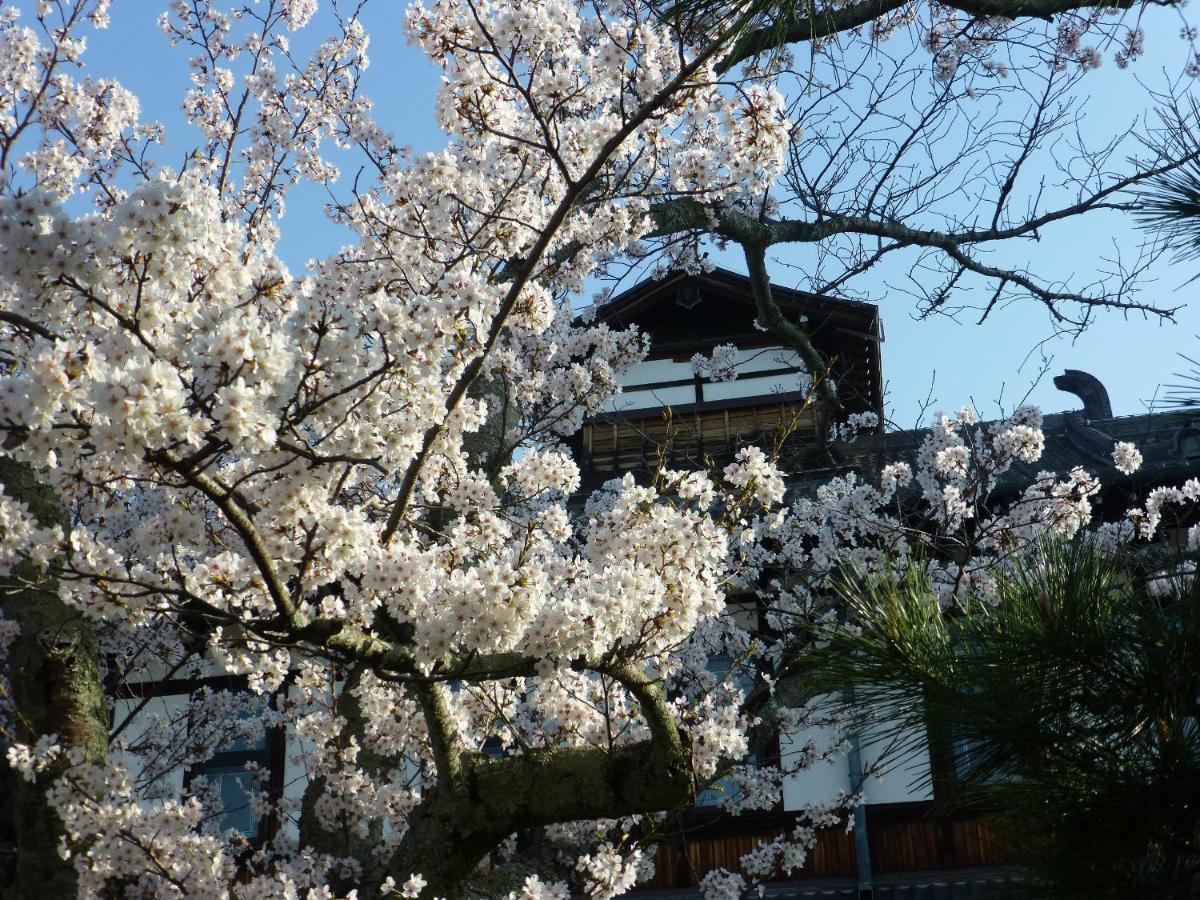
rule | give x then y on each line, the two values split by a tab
684	314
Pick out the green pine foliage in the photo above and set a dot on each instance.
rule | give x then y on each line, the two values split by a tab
1072	697
1168	204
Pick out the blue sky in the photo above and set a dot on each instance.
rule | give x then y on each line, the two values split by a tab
963	361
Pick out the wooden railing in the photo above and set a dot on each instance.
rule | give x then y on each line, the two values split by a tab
903	837
685	440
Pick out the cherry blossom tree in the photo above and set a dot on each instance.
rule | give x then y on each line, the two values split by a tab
349	485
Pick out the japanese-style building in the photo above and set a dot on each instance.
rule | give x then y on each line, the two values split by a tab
903	845
708	418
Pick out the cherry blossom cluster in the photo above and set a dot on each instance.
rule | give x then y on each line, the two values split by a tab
852	425
232	441
1126	457
720	365
89	126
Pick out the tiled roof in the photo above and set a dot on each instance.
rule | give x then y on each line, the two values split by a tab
1169	442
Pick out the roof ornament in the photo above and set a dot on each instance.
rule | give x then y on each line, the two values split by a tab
687	294
1089	389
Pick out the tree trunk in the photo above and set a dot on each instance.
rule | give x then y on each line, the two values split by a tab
54	673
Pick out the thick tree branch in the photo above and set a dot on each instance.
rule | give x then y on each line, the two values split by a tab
754	235
822	23
54	686
652	703
808	28
225	501
772	318
453	829
26	324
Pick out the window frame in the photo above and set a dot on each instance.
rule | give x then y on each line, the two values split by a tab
271	756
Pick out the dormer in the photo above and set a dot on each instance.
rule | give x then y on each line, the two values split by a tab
670	409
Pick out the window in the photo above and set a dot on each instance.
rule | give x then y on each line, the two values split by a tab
973	762
762	753
160	732
1188	444
239	769
234	785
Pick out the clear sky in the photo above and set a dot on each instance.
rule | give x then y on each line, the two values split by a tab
963	361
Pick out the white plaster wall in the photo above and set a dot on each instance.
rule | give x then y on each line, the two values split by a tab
761	359
635	399
752	387
170	785
653	370
157	670
901	781
905	776
818	783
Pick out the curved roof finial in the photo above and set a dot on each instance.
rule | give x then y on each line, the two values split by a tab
1089	389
